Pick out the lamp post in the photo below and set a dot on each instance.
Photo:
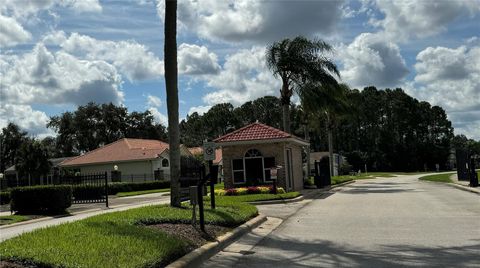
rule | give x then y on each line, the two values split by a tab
115	167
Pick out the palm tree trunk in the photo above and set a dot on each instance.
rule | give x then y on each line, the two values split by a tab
330	143
171	75
285	95
286	117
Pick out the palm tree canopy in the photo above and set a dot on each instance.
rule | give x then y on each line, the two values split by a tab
300	59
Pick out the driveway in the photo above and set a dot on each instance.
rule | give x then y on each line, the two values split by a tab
390	222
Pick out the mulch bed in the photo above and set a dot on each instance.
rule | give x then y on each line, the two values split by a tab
8	264
194	236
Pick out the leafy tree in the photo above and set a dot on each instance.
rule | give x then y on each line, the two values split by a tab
171	76
94	125
11	139
32	161
295	61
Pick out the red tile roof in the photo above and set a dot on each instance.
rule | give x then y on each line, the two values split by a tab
255	131
121	150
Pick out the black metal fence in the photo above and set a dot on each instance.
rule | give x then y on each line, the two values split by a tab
140	177
87	188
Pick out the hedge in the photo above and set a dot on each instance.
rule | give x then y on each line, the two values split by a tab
4	198
50	199
116	187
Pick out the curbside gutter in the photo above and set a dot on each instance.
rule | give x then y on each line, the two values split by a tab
203	253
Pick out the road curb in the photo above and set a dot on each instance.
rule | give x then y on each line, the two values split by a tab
464	188
278	201
342	184
203	253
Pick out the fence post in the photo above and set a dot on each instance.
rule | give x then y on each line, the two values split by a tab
106	188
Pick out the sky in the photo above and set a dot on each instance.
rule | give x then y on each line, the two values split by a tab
58	54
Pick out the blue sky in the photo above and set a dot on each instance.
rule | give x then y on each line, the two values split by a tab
57	54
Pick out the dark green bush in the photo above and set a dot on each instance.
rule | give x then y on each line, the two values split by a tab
4	198
49	199
117	187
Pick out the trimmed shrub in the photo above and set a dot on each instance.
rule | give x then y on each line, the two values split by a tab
4	197
51	199
116	187
249	190
253	190
231	191
264	189
220	192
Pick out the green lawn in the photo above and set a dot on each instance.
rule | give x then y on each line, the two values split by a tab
123	194
438	177
119	239
5	220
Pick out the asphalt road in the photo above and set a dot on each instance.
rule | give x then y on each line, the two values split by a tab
391	222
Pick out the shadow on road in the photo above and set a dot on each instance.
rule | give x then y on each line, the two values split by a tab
320	253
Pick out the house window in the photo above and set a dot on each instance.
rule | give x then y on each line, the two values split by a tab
165	163
238	171
268	162
253	153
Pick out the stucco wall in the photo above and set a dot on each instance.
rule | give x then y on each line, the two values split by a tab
297	166
135	168
276	150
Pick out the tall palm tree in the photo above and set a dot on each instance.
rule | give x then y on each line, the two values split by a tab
171	76
294	61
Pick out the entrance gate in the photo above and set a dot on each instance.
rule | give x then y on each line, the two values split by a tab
87	188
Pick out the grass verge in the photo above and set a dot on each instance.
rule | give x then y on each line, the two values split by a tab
123	194
119	239
11	219
438	177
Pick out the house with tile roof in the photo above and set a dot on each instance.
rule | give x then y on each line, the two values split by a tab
249	154
134	159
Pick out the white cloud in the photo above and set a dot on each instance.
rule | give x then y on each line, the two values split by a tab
372	60
158	116
34	122
406	18
41	76
11	32
154	101
131	58
253	20
199	109
450	77
84	5
26	9
196	60
244	77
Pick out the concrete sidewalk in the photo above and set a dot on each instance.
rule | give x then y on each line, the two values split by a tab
464	185
82	211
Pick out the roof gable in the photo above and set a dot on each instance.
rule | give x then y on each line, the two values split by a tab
255	131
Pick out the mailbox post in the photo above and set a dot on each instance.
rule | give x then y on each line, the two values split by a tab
273	177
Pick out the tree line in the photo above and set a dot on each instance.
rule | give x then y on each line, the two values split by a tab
385	129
